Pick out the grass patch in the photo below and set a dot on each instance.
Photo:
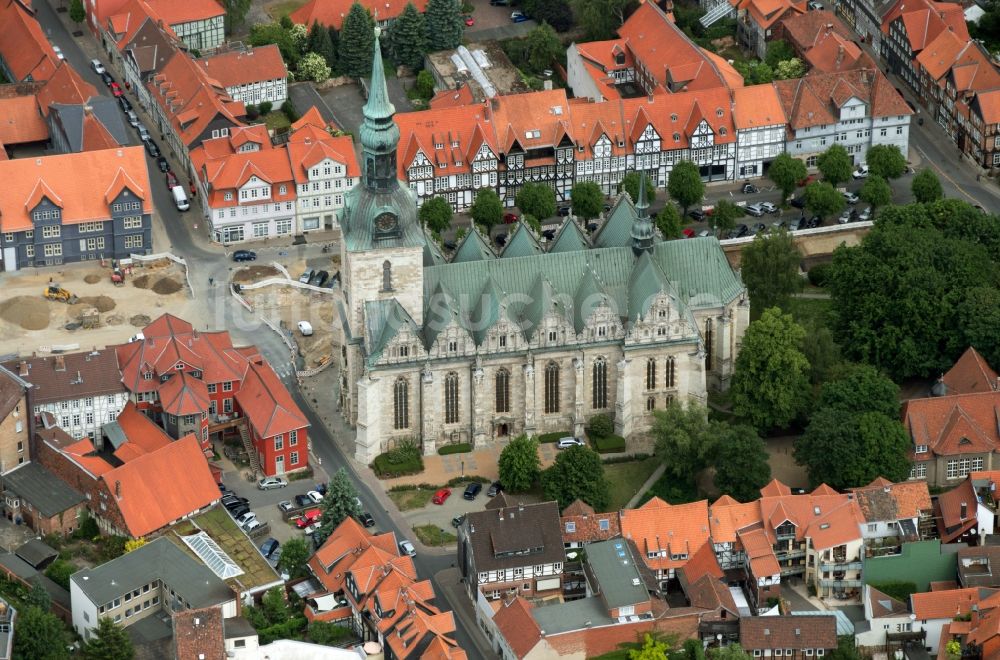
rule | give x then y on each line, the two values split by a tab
625	479
611	444
223	530
283	8
811	312
407	500
386	468
277	120
433	535
460	448
553	437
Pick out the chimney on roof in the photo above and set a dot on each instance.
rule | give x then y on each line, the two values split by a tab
963	511
23	368
60	363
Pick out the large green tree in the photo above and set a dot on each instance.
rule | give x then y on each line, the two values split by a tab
786	171
435	214
754	72
778	51
820	349
38	596
588	200
771	372
275	33
577	474
630	184
823	199
318	41
602	18
543	47
741	467
858	388
40	635
536	199
294	555
770	270
313	67
979	315
357	42
109	641
684	439
408	38
668	221
444	24
876	191
685	185
556	13
724	216
486	209
77	13
519	464
886	161
835	164
926	187
236	13
340	502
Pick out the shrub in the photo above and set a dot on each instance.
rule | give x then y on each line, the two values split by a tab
460	448
601	426
399	461
469	479
59	572
328	634
88	528
898	589
612	444
305	473
553	437
252	112
819	275
289	109
626	459
265	107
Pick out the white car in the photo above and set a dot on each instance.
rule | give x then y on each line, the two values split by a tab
58	52
566	443
865	215
267	483
315	496
768	207
97	67
755	210
132	118
845	217
246	518
312	528
252	525
861	172
305	327
407	548
851	197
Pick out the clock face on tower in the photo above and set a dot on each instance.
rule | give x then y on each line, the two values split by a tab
385	223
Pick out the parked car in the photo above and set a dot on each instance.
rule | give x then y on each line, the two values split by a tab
268	547
845	217
311	530
549	234
566	443
469	20
308	518
697	215
274	559
457	521
592	227
739	231
238	511
267	483
518	17
252	525
302	500
116	90
152	149
286	505
315	496
564	211
441	496
321	278
106	78
758	228
171	180
851	197
244	255
495	489
754	210
704	233
58	51
865	215
131	118
125	104
768	207
306	276
305	327
509	218
750	189
472	490
861	172
366	519
688	232
798	202
501	239
407	548
97	67
320	488
245	518
813	222
806	181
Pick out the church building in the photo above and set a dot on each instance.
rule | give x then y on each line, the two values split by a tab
536	339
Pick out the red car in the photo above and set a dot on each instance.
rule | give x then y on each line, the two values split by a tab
441	496
116	89
688	232
806	181
509	218
469	21
308	518
171	180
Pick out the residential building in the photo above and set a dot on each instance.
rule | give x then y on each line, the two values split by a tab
512	550
797	637
856	109
24	127
140	53
582	525
910	26
20	571
757	21
759	120
252	76
105	211
934	609
277	428
42	501
25	52
15	432
961	516
969	375
979	637
76	116
887	621
324	167
151	580
331	13
823	42
405	303
665	553
979	566
82	391
893	514
865	17
8	621
200	24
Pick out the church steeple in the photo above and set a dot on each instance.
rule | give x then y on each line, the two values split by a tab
642	228
379	133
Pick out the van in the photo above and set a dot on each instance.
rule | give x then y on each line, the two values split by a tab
180	199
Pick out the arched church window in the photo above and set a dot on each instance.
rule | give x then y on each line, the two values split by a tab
600	383
401	404
387	276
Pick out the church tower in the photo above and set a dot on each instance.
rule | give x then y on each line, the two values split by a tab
382	244
642	227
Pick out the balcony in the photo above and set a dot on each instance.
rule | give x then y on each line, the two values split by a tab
840	565
781	554
841	584
793	570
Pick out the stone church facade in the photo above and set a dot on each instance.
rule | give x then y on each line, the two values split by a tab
486	346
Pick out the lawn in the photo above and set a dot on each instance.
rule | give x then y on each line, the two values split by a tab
283	8
433	535
811	312
277	119
407	500
625	479
223	530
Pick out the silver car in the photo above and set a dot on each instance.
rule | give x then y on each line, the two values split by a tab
132	118
143	133
267	483
407	548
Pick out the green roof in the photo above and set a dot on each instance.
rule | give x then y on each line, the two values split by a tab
614	569
589	296
432	253
522	242
383	319
921	562
442	311
617	228
473	248
644	284
569	239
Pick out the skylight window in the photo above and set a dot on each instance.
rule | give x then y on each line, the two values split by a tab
214	557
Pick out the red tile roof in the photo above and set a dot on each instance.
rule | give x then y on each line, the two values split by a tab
234	68
65	86
668	530
803	30
885	501
82	453
971	374
817	98
518	627
766	13
183	394
944	604
267	404
756	106
702	563
22	122
24	46
951	523
332	12
189	11
141	431
788	632
775	488
924	20
960	424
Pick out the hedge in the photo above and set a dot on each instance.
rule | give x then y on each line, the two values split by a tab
385	468
553	437
612	444
457	481
460	448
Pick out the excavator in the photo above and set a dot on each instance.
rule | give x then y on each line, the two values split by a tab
59	294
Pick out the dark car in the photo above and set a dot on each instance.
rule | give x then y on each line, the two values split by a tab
316	538
548	234
495	489
222	486
366	519
321	487
697	215
152	149
457	521
321	278
244	255
815	221
501	239
239	510
107	79
472	490
564	210
124	103
739	231
450	245
162	163
302	500
268	547
798	202
592	227
750	189
758	228
233	501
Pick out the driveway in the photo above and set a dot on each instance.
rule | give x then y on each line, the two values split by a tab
265	502
441	514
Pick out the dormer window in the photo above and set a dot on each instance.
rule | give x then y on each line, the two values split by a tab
179	366
718	112
673	117
147	375
228	196
677	137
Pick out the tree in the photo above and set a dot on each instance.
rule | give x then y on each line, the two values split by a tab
536	199
602	18
684	439
685	185
554	12
318	41
979	316
788	69
519	464
886	161
40	636
577	474
340	502
294	555
820	350
771	372
357	42
334	47
262	34
876	191
823	199
786	171
652	649
755	72
109	641
408	38
926	187
313	67
77	13
486	209
859	388
588	200
543	47
38	596
846	649
630	184
731	652
424	84
835	165
236	13
741	467
668	221
770	270
532	222
435	214
953	649
444	24
778	51
693	650
724	216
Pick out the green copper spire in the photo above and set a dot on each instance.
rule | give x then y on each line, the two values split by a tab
379	133
642	228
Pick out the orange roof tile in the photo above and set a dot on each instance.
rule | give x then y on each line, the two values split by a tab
81	196
189	11
702	563
803	30
332	12
941	54
962	423
924	20
65	86
971	374
24	47
667	530
140	430
756	106
234	68
22	122
775	488
883	500
987	627
726	519
837	527
951	522
84	455
184	394
267	404
518	627
816	99
944	604
987	106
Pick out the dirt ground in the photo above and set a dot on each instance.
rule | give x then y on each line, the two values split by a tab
29	322
290	305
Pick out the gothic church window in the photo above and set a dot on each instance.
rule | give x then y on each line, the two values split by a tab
387	276
503	391
600	384
708	344
451	398
401	404
552	388
671	371
650	374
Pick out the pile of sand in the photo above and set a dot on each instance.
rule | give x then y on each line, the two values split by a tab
254	273
29	312
114	319
140	320
92	279
141	282
167	285
102	303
